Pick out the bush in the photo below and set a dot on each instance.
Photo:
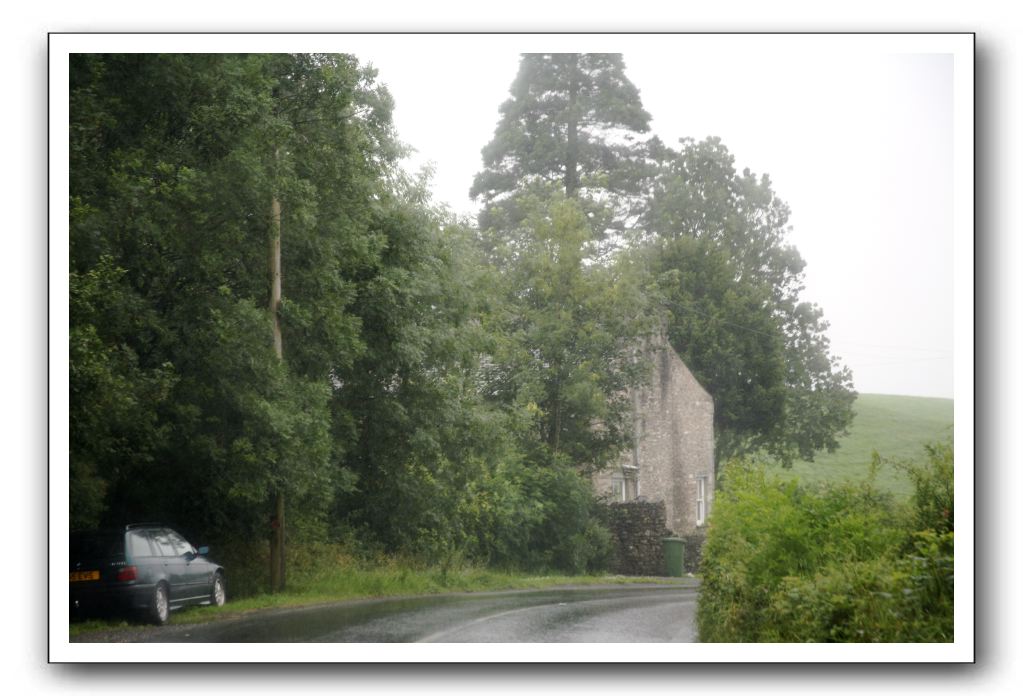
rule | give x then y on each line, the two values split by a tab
836	563
883	600
933	488
561	529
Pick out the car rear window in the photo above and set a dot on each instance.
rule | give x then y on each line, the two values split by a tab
162	543
138	545
94	545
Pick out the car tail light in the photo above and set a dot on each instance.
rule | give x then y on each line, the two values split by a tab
127	573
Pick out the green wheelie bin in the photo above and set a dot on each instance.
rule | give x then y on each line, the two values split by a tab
674	556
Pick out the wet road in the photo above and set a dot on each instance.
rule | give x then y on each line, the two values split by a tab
612	614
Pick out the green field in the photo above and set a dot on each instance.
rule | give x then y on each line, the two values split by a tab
896	426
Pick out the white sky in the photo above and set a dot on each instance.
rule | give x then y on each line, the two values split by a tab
856	137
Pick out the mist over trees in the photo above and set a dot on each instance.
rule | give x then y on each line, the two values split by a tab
444	388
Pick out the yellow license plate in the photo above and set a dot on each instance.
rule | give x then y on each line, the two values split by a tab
79	575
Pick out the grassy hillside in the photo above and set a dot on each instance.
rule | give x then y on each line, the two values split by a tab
896	426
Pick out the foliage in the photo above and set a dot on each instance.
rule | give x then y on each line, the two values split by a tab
707	244
906	600
560	363
573	120
724	332
933	497
763	531
114	401
568	332
716	251
419	434
175	160
446	391
375	425
836	563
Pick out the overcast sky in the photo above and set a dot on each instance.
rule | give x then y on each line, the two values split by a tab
857	139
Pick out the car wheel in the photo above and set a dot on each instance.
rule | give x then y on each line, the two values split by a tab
219	593
159	607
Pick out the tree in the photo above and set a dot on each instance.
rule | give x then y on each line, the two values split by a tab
731	286
723	331
114	401
331	137
373	423
560	361
710	243
175	164
573	119
420	442
571	331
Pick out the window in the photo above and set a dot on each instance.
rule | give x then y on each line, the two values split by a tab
701	500
617	487
138	545
630	475
181	547
162	543
631	488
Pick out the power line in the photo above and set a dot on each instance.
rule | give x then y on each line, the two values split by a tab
909	360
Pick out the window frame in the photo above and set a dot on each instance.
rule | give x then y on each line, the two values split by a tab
701	500
618	487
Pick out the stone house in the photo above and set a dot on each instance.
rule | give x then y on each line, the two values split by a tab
672	458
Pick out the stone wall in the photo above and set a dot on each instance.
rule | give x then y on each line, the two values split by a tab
637	528
673	449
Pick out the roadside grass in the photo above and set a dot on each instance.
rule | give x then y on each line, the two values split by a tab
347	578
897	427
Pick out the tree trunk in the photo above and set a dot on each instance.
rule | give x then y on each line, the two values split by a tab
277	545
572	139
275	273
555	435
556	439
277	519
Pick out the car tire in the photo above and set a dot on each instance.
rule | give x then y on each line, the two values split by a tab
159	605
218	594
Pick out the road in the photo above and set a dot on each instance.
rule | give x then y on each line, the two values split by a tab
604	614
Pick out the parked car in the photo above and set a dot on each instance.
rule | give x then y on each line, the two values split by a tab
144	568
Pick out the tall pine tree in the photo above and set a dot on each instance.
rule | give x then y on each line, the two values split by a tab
574	121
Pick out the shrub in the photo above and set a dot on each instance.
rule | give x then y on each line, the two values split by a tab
784	562
563	531
883	600
933	488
